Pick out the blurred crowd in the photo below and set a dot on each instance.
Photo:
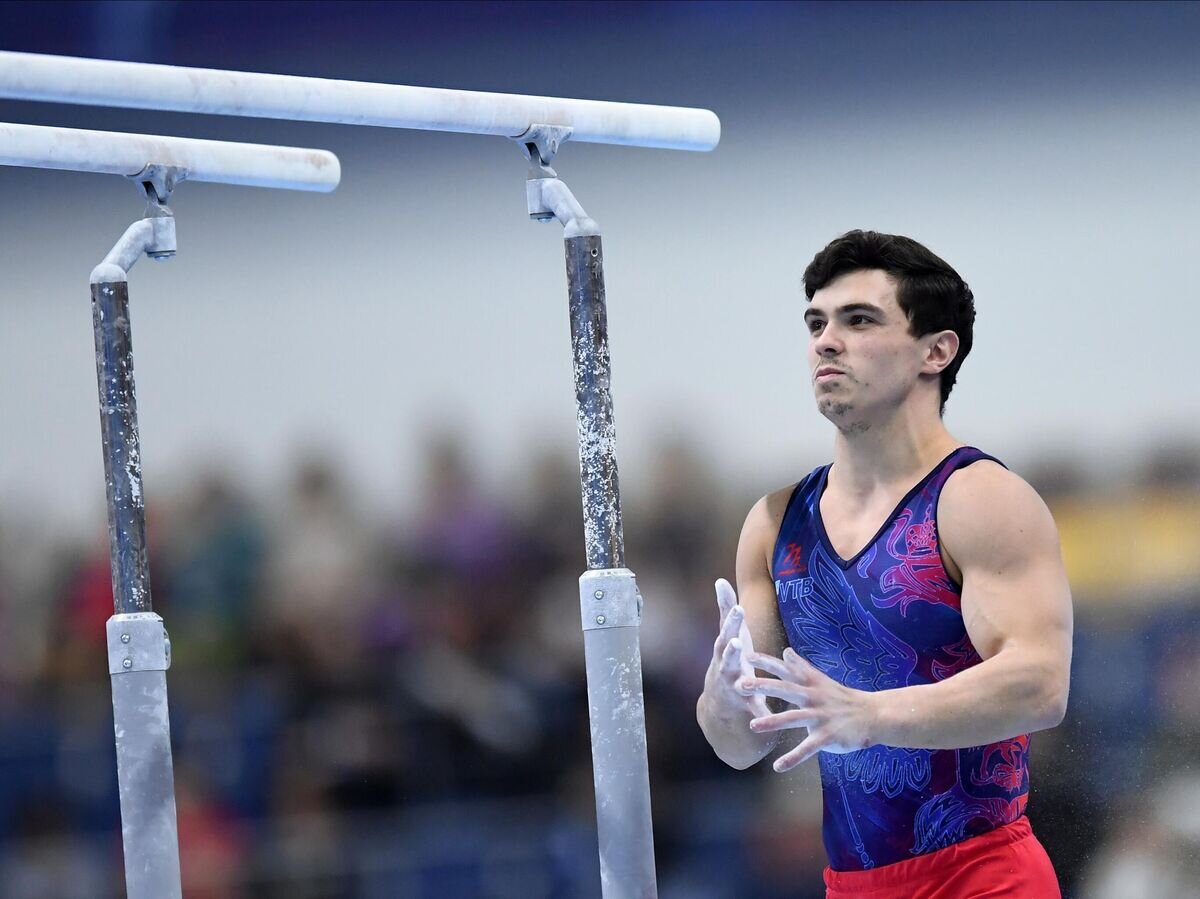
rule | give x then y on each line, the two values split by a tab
366	707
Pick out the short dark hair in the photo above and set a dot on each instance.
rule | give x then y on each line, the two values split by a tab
930	292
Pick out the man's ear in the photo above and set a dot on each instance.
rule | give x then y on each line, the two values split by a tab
943	347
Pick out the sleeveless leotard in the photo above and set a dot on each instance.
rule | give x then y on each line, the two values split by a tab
890	617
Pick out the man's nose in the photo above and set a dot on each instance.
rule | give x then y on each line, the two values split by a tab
827	343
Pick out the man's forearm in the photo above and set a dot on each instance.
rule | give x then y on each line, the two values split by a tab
730	736
1006	695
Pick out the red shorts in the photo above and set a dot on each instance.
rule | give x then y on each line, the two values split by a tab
1005	862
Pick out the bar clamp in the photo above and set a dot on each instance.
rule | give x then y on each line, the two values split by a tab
157	183
540	144
546	197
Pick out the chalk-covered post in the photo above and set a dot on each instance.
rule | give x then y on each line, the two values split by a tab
139	652
610	604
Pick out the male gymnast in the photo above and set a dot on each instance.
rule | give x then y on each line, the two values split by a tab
908	600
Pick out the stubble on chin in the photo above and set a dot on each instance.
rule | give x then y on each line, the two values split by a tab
840	413
833	406
834	409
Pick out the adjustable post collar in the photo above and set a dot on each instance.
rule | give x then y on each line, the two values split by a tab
609	597
137	641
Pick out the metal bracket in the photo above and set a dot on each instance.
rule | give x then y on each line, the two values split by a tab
137	641
546	197
540	144
609	597
157	182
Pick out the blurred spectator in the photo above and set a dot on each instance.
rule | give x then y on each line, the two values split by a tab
212	849
317	578
211	569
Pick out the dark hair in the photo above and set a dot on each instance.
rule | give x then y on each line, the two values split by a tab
930	292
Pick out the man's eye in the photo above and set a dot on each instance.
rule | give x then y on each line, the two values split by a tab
859	320
814	326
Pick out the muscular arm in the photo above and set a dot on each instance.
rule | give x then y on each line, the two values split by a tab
1016	605
724	712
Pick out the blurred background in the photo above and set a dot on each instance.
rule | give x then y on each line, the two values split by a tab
358	431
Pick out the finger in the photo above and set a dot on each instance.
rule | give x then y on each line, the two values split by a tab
809	746
798	662
726	596
784	720
745	636
759	707
769	686
729	630
731	659
732	624
772	665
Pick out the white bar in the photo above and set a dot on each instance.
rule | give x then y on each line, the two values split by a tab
95	82
107	152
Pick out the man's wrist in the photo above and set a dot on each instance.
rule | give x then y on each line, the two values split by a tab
891	715
878	716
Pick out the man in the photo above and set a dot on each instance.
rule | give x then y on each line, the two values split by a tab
916	589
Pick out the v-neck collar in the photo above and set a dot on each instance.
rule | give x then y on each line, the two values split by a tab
824	481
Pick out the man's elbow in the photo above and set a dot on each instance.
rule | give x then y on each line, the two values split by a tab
1059	707
1053	708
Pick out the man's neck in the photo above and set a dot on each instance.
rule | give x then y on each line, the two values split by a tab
891	452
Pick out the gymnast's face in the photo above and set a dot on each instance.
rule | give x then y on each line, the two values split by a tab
864	360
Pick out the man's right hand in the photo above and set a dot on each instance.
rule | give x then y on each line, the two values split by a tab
729	664
724	711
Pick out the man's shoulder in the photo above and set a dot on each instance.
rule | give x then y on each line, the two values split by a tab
986	508
983	482
766	516
770	509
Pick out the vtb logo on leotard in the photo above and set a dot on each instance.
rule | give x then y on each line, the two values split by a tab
795	589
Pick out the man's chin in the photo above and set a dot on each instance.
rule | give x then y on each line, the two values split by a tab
835	410
843	416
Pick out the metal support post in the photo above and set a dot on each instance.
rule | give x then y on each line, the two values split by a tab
139	652
610	603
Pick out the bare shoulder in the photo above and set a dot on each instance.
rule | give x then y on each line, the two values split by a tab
764	520
769	510
987	512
